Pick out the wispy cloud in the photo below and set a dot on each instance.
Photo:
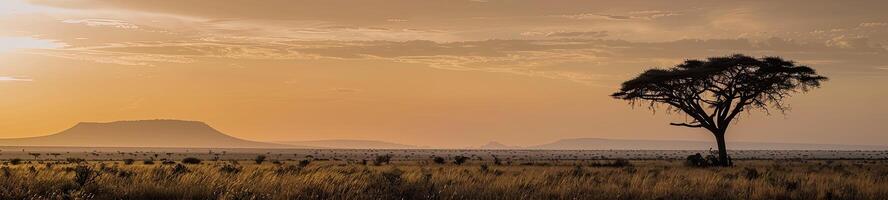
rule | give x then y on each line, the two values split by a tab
14	79
568	34
344	90
102	23
634	15
397	20
15	43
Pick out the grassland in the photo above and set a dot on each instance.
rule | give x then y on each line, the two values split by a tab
426	179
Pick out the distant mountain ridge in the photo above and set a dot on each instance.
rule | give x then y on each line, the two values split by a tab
141	133
195	134
497	145
351	144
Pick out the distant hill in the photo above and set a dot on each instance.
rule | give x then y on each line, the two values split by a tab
497	145
142	133
351	144
615	144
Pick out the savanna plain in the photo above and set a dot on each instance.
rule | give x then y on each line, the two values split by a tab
440	174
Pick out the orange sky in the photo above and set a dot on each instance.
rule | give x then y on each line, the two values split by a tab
435	73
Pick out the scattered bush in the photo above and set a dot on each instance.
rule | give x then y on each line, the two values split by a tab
696	160
15	161
75	160
382	159
191	160
128	161
614	163
179	169
304	163
259	159
438	160
231	169
83	175
459	160
148	162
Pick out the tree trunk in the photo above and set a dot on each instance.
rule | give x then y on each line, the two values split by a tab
722	151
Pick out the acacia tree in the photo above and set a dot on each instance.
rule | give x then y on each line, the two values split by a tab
713	92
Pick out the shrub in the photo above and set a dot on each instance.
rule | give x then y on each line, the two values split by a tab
459	160
259	159
75	160
621	163
438	160
231	169
696	160
168	162
304	163
128	161
15	161
83	175
148	162
191	160
382	159
615	163
180	169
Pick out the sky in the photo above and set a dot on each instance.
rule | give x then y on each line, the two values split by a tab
452	73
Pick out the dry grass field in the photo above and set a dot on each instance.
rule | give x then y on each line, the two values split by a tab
427	179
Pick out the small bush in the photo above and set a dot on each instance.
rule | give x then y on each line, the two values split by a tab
148	162
459	160
128	161
615	163
83	175
180	169
438	160
304	163
15	161
382	159
259	159
231	169
696	160
191	160
75	160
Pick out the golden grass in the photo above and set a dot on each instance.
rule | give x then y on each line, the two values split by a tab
418	180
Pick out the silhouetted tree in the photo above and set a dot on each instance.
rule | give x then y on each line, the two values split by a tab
714	91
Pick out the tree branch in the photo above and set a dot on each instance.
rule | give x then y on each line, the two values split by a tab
687	125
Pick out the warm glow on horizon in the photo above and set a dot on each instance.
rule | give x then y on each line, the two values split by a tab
429	73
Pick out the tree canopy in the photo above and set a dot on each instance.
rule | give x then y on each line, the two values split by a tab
713	92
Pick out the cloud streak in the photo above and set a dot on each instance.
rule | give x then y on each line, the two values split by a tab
102	23
14	79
